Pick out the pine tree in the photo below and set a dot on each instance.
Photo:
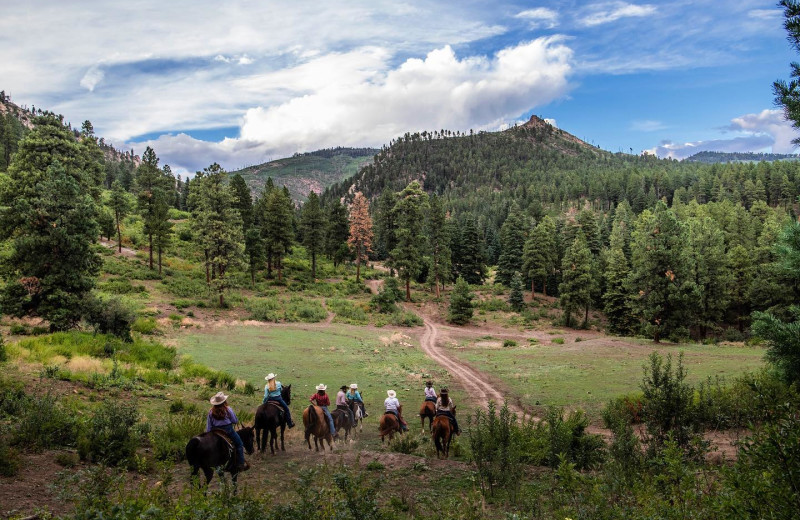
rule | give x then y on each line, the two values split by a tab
516	299
512	240
438	245
787	95
661	274
575	289
385	225
407	256
539	254
277	228
616	299
312	224
587	221
218	225
337	231
118	202
360	239
740	264
152	198
460	309
244	200
254	251
711	272
468	258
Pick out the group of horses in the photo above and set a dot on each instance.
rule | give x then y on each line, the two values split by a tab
211	450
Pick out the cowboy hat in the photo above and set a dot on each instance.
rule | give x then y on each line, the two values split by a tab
322	387
218	398
391	393
343	387
428	383
443	390
354	386
270	376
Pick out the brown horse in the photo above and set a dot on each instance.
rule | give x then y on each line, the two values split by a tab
428	410
208	451
269	417
341	421
316	424
388	426
442	432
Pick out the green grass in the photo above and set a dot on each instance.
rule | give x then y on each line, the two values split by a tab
336	355
589	373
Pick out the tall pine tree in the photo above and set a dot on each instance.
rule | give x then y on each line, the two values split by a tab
539	256
312	225
438	245
512	241
575	290
407	256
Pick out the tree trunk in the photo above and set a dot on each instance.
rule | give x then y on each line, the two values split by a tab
358	269
151	251
119	235
437	286
159	259
586	318
208	274
279	265
269	265
408	289
252	277
544	287
314	266
657	335
533	290
221	300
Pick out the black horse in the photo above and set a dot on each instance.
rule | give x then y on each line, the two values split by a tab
209	450
269	416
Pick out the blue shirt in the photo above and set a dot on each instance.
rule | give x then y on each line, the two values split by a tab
274	393
354	396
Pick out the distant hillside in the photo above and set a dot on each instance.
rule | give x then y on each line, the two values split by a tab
732	157
305	172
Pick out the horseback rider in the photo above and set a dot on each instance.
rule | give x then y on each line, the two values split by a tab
322	400
222	417
445	406
393	406
354	395
341	403
273	391
430	392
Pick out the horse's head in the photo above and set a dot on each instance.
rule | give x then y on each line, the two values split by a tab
247	436
286	393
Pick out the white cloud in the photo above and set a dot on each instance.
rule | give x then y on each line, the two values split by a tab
765	14
92	77
647	125
765	131
551	122
602	13
539	17
358	98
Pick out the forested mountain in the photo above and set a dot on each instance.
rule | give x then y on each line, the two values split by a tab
728	157
305	172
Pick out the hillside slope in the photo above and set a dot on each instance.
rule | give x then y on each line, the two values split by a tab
305	172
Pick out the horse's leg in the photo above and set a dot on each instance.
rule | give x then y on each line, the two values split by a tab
308	439
273	440
209	473
283	428
235	480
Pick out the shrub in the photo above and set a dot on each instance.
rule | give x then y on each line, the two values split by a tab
109	434
461	308
185	287
375	465
145	326
667	401
305	310
406	319
3	351
264	309
9	460
492	304
509	343
18	329
496	446
383	302
169	440
625	408
110	316
405	444
558	341
120	286
44	422
67	459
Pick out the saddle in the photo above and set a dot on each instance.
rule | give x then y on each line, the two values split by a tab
430	399
277	405
232	462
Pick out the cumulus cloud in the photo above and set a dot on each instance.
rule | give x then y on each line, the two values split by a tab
603	13
766	131
539	17
358	98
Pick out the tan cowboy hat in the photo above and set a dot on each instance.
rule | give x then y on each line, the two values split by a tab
219	398
322	387
391	393
354	387
270	376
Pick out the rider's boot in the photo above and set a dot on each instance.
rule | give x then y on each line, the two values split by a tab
243	467
290	424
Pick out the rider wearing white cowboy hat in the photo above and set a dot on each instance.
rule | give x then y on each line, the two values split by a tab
354	395
222	417
273	391
393	406
322	400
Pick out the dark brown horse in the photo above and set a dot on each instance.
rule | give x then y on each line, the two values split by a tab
388	426
442	432
209	450
428	409
316	424
341	421
269	417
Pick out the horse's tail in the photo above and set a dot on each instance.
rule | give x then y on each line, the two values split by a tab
191	451
312	418
437	440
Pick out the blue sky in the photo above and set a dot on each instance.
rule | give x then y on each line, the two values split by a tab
258	80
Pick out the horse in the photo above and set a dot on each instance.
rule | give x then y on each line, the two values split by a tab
442	432
358	415
428	409
269	416
316	424
388	426
209	450
341	421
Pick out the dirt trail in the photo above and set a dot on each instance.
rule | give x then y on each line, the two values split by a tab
126	251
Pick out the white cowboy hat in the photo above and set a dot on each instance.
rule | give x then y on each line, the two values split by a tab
322	387
354	386
270	376
391	393
219	398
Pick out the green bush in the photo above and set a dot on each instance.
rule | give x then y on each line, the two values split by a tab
407	444
406	319
184	287
18	329
120	286
558	341
44	422
667	402
109	436
347	312
305	310
510	343
264	309
67	459
625	408
492	304
169	440
110	316
9	459
145	326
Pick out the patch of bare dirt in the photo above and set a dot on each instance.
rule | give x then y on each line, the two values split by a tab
126	251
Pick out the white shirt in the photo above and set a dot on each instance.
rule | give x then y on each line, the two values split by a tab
391	404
